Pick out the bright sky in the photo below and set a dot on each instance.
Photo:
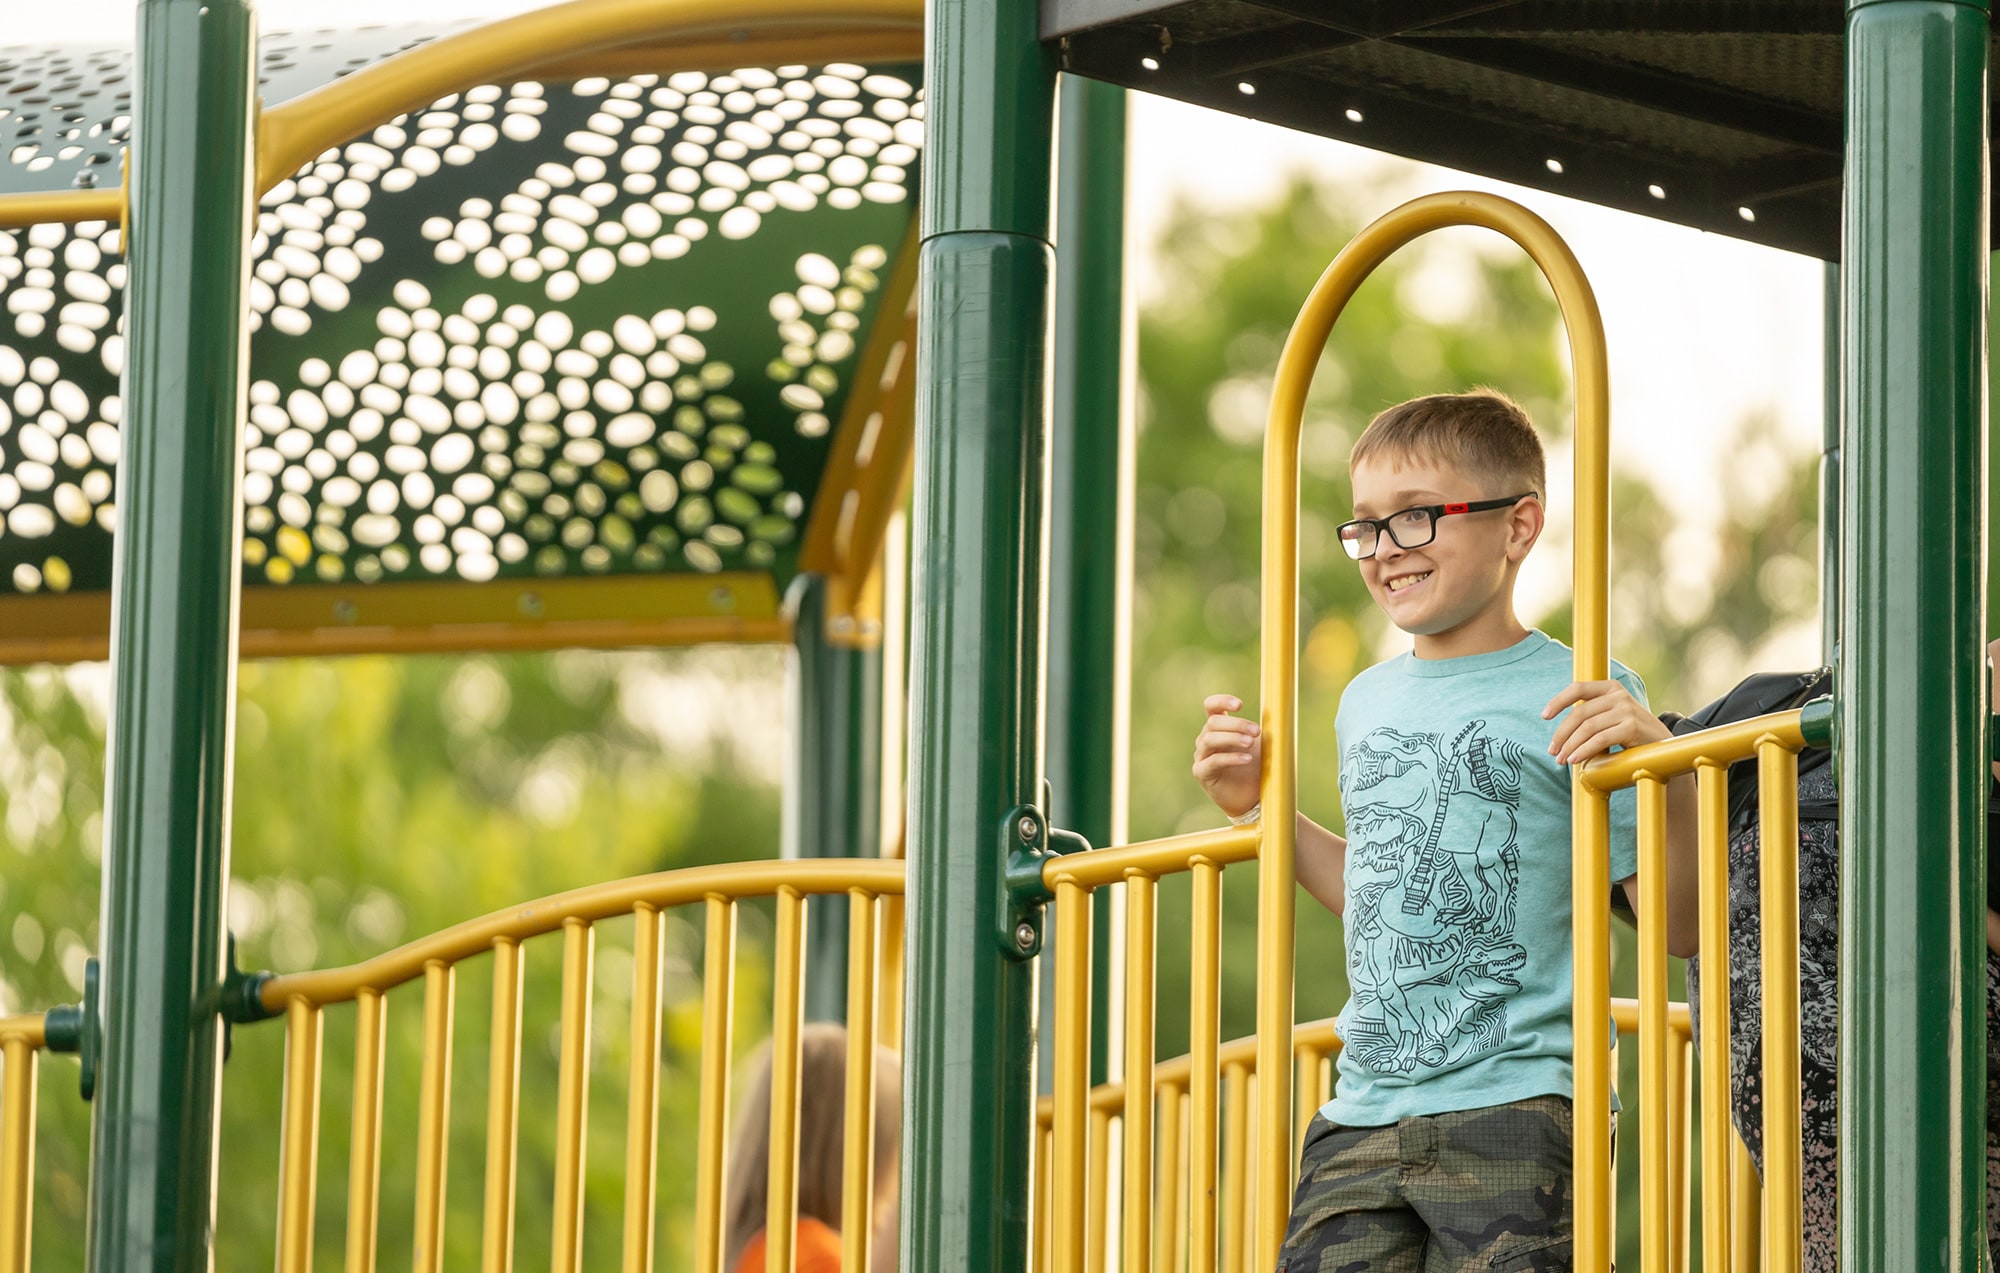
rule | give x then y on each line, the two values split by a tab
1703	329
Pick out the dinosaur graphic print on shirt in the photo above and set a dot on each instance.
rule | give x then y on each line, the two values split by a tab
1433	878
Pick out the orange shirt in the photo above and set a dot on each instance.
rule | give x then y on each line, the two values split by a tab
817	1249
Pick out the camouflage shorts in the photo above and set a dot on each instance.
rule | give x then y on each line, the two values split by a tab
1485	1189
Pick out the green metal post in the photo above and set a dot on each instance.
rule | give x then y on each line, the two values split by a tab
833	800
173	643
1090	556
980	540
1829	474
1913	699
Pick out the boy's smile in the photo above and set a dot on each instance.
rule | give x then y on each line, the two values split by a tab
1455	594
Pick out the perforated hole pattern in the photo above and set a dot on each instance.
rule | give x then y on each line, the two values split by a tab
530	330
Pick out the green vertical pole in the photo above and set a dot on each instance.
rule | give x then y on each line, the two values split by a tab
173	642
1913	700
976	704
1090	520
1829	474
833	799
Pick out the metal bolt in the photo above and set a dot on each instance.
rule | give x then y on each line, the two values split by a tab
530	605
345	612
1027	826
1024	935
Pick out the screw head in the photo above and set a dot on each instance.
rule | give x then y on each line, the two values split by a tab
1027	827
1024	935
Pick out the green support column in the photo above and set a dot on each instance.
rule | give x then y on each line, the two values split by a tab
173	642
1090	518
1829	474
976	713
1913	702
833	795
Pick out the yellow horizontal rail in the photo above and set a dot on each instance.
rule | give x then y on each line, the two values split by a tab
1717	745
1224	846
596	902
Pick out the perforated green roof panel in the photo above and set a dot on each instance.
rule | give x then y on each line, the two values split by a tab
601	328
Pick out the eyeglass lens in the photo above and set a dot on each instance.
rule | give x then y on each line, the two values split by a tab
1411	528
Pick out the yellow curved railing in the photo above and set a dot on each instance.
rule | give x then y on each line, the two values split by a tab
1174	1176
582	37
302	998
22	1039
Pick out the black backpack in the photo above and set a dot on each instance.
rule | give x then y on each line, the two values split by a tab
1755	696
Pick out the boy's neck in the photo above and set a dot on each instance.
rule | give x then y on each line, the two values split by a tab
1497	629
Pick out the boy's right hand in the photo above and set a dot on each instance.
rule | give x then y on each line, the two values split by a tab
1228	756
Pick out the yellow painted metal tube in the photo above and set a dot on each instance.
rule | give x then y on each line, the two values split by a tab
572	1097
889	1020
1223	846
1140	919
1204	1039
1235	1156
1680	1114
1305	1093
857	1199
1685	753
433	1118
1168	1233
1596	1060
642	1108
809	876
1044	1150
1778	888
503	1109
514	48
298	1162
712	1135
20	1056
19	211
364	1153
787	1018
1653	1193
1717	1135
1746	1210
1072	1076
1097	1234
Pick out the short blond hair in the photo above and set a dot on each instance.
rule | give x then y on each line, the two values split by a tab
1483	434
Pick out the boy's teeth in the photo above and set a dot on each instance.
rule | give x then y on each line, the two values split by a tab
1403	581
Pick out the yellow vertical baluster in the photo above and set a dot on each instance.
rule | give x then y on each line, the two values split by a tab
1746	1210
1778	888
503	1108
1044	1150
1717	1136
1680	1096
857	1200
1235	1160
1595	1059
17	1151
642	1110
572	1097
712	1137
1072	1077
1305	1095
1140	919
364	1155
781	1215
433	1117
298	1168
1204	1037
889	1020
1169	1235
1097	1233
1653	1210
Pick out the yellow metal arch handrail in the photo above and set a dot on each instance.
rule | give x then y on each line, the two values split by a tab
576	38
1279	687
22	1039
301	998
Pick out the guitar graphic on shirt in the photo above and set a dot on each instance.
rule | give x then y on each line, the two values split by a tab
1411	906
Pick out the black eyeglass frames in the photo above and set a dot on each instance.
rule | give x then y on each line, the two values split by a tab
1412	527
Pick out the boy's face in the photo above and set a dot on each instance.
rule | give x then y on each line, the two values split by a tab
1466	572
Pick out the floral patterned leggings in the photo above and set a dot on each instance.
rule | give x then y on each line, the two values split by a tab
1819	1022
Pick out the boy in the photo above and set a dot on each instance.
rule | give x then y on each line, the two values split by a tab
1446	1146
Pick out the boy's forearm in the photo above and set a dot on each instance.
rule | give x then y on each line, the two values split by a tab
1321	864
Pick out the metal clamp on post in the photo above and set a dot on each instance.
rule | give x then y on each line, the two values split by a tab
1028	842
79	1030
242	999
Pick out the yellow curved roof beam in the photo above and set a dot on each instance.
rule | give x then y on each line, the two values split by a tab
563	41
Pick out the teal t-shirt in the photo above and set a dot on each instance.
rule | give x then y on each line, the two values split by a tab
1458	883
